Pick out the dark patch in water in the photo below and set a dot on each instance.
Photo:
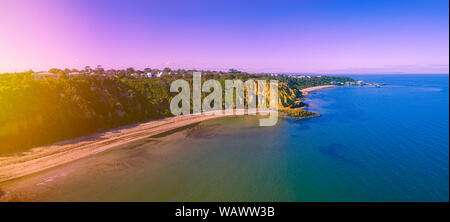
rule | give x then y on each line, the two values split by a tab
138	144
335	150
202	132
304	127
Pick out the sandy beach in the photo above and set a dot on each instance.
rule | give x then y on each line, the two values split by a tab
306	91
41	158
45	157
26	175
38	160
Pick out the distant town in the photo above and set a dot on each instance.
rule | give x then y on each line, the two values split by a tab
147	72
168	72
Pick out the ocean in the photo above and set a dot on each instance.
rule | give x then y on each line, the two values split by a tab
370	144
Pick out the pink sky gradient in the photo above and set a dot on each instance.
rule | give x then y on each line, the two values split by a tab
305	36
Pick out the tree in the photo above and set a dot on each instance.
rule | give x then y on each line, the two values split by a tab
87	69
99	70
130	70
234	71
110	71
63	75
55	70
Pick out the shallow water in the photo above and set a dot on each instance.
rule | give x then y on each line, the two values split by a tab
370	144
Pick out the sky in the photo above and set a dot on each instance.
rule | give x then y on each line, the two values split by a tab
302	36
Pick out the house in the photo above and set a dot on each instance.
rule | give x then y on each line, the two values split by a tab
350	83
153	74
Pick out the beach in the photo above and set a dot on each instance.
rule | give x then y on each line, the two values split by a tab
349	154
39	159
309	89
45	157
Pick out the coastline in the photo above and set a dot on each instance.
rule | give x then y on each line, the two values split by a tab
45	157
306	91
40	159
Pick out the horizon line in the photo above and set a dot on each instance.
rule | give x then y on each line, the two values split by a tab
250	72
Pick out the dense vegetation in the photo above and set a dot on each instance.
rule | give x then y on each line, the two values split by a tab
37	111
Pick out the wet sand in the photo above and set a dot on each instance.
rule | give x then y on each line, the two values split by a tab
122	172
41	158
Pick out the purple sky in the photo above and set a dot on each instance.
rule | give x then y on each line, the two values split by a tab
320	36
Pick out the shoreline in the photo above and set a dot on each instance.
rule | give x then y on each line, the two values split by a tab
39	159
306	91
45	157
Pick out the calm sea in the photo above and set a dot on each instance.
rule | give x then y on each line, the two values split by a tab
370	144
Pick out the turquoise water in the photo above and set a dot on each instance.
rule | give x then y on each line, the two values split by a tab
370	144
381	144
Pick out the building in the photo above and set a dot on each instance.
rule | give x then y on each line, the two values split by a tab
350	83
